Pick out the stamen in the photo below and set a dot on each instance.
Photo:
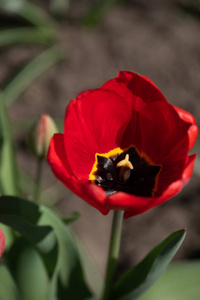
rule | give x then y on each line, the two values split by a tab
125	163
125	171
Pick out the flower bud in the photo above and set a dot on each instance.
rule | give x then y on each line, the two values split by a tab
41	134
2	242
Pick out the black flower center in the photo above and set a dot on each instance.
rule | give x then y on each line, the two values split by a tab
126	172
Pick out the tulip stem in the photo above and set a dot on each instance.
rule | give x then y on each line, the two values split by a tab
38	179
113	253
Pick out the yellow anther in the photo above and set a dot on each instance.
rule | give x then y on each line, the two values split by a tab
125	163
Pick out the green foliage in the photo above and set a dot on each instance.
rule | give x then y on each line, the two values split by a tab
28	11
8	167
41	29
37	224
92	273
9	289
179	282
26	35
57	264
137	280
29	264
73	217
31	72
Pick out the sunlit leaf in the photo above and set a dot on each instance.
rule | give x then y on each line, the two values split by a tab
137	280
179	282
91	270
8	166
30	72
26	35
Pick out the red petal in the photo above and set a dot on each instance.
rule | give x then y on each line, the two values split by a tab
172	190
192	133
2	242
176	186
164	134
144	206
193	129
188	168
95	124
135	89
184	115
134	205
128	202
56	157
132	135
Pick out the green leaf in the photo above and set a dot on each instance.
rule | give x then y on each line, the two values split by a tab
31	72
8	165
91	270
1	130
23	217
28	11
73	217
68	274
30	265
35	222
137	280
26	35
9	289
179	282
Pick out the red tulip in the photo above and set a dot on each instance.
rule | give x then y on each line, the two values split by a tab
124	146
2	242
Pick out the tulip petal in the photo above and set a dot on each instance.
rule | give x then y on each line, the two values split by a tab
193	129
56	157
135	89
184	115
164	134
132	135
128	202
94	124
172	190
2	242
189	168
176	186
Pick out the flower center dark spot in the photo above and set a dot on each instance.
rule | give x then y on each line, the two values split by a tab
126	172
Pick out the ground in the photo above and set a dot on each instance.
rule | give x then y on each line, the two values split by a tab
154	38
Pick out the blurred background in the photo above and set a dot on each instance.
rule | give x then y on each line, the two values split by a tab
51	50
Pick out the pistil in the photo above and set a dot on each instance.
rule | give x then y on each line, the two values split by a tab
126	167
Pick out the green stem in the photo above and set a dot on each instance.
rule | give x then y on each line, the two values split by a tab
113	252
37	190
